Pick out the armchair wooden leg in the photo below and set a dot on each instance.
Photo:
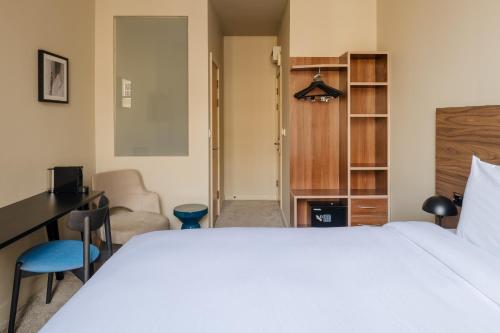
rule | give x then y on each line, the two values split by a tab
15	298
48	296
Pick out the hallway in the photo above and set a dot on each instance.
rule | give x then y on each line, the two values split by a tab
250	213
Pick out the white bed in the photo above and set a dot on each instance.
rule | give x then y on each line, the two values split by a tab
404	277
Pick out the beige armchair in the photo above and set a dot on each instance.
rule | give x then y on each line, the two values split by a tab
133	209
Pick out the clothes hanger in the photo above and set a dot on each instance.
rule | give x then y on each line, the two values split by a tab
329	92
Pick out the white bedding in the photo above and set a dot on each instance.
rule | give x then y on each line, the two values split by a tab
404	277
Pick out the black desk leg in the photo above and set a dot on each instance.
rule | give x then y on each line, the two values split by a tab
53	234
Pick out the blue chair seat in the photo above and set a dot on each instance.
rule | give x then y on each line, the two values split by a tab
56	256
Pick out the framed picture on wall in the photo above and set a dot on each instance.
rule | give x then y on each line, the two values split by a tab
52	78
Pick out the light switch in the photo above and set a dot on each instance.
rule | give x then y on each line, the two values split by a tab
126	102
126	88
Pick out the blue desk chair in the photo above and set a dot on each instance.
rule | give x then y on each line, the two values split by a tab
104	202
60	256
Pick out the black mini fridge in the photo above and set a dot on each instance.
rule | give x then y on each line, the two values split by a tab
328	214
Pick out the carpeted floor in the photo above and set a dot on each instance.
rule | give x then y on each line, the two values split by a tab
36	313
237	213
250	213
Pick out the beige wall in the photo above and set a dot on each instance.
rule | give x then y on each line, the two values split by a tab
331	27
284	42
444	53
250	121
35	136
180	179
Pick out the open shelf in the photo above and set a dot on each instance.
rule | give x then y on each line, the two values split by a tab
303	214
369	100
323	67
369	141
369	67
368	182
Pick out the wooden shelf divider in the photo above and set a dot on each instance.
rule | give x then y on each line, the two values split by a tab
368	84
368	168
317	194
323	67
368	193
368	115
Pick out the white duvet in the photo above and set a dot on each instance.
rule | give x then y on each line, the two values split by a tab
404	277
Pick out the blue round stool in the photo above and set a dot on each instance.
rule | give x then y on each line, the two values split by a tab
190	215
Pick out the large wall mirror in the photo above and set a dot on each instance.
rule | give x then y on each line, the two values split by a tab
151	86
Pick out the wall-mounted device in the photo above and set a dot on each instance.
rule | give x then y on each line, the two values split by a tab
126	93
328	214
276	55
68	179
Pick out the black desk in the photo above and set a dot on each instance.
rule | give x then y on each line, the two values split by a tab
42	210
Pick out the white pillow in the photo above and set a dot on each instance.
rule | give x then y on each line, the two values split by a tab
480	217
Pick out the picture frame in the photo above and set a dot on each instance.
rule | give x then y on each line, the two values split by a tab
53	78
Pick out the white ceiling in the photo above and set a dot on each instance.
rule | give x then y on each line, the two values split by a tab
249	17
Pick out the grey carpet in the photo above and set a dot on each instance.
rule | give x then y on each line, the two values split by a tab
36	313
250	213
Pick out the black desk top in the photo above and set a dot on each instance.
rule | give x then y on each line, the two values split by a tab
23	217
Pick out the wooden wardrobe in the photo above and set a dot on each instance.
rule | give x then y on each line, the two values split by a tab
339	150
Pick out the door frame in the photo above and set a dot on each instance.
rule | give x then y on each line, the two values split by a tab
212	62
279	99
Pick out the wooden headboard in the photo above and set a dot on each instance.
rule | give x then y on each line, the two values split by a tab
460	133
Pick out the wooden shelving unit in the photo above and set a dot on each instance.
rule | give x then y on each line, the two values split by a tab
339	151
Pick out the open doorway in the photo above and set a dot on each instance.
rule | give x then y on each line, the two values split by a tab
249	152
250	119
251	135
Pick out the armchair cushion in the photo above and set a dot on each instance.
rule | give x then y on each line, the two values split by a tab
125	225
125	188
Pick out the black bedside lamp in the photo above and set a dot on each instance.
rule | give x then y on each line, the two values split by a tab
440	206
